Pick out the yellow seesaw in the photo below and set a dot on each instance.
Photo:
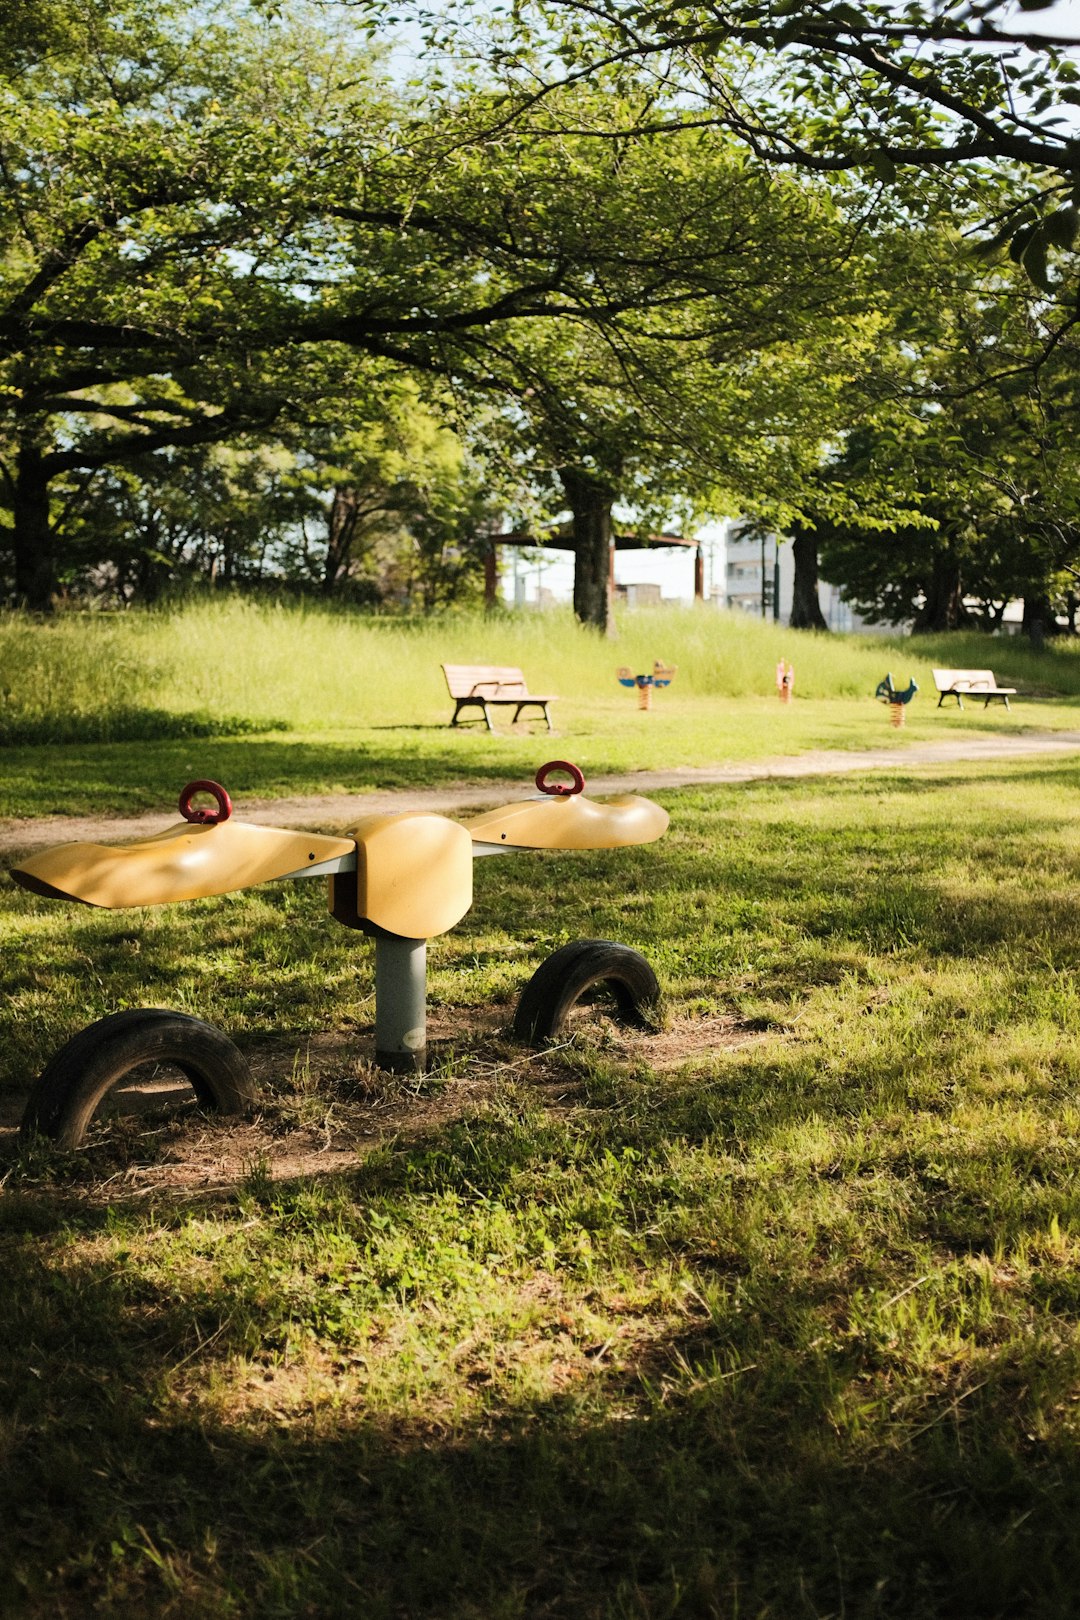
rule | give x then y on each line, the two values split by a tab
402	878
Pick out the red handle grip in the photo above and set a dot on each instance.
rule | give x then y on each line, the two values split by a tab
205	818
560	789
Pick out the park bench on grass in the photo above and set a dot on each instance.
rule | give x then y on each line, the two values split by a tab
485	685
961	683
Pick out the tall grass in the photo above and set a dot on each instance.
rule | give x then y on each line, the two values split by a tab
236	663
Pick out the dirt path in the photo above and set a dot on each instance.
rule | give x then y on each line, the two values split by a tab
333	811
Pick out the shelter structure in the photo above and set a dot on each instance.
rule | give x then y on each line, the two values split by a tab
560	536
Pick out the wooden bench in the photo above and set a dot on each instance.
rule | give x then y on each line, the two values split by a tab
483	686
961	683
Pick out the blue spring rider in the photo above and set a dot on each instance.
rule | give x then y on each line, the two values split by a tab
662	675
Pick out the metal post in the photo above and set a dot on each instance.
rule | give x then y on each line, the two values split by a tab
401	1004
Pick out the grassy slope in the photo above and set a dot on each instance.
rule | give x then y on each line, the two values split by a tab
791	1329
286	700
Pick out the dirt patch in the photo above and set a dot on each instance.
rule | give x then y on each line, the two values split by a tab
325	1109
686	1040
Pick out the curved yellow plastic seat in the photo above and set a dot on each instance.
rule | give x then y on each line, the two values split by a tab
413	872
184	862
571	821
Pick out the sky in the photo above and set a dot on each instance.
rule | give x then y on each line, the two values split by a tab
1061	18
1064	18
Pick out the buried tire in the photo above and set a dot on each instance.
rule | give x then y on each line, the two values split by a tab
79	1077
564	977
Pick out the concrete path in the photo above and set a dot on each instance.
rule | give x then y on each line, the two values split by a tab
333	811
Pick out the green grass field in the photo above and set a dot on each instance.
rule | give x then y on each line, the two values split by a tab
276	700
775	1313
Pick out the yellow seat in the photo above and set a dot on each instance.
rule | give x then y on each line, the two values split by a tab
413	873
184	862
570	821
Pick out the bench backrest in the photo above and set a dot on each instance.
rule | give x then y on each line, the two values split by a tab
482	680
966	680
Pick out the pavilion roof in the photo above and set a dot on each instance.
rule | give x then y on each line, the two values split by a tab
560	535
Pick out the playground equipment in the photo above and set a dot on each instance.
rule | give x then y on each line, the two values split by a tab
662	675
896	700
785	680
402	879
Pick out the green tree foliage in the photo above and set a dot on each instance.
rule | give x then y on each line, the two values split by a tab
206	219
836	85
697	405
154	273
132	531
227	236
397	508
981	444
391	510
214	224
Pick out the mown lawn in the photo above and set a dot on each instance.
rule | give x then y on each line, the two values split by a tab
777	1316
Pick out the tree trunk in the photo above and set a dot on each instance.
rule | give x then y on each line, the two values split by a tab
943	607
341	528
148	572
33	540
806	611
590	500
1040	620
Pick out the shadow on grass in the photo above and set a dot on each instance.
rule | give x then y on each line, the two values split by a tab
789	1446
734	1464
124	726
122	778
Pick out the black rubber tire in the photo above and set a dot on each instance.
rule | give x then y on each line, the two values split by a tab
563	978
76	1079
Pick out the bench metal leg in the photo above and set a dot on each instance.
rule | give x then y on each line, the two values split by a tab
531	703
472	703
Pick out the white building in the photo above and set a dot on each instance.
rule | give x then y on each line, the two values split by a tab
759	568
738	572
644	576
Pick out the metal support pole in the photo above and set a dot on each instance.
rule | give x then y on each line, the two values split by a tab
401	1004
